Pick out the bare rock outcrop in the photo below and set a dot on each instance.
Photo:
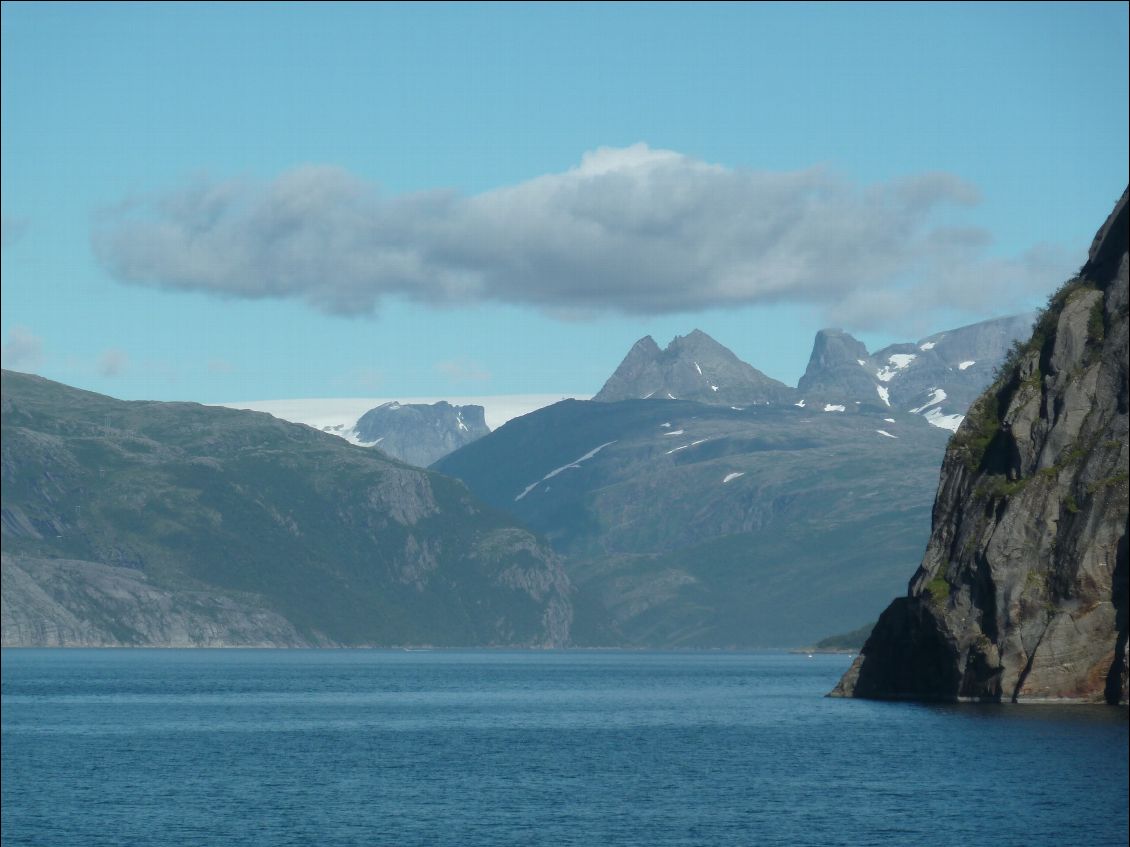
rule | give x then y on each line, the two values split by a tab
1022	594
70	603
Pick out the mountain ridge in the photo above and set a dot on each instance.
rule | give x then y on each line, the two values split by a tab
211	519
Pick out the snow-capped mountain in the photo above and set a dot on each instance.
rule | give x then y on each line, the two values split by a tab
936	377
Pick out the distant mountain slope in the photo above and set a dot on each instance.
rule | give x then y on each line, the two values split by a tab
1022	593
173	523
420	434
692	367
695	525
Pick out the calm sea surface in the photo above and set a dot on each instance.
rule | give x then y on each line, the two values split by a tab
235	747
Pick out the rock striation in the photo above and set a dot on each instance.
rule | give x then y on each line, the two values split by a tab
420	434
1022	593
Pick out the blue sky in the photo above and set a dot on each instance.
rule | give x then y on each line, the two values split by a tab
230	202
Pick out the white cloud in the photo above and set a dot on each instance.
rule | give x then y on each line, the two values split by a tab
112	362
631	230
11	230
23	350
463	370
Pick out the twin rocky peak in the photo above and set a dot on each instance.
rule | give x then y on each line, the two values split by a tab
937	377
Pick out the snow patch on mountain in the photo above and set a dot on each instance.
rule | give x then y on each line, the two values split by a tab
576	463
938	418
685	446
937	395
895	363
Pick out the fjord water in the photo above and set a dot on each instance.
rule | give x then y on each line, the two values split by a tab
273	747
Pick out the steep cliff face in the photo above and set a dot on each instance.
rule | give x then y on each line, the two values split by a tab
1022	594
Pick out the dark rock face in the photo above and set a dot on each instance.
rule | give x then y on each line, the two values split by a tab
420	434
692	367
173	524
1022	594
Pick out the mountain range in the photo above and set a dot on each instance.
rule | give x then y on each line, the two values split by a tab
768	516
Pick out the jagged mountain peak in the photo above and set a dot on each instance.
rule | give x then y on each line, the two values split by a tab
646	345
691	367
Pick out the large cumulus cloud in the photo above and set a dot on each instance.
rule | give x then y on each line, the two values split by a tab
630	230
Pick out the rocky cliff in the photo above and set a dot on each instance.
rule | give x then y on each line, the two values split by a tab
1022	593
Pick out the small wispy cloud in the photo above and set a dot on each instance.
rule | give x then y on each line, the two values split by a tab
11	230
630	230
112	362
368	379
463	370
220	366
23	349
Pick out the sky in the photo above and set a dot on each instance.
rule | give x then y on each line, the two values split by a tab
230	202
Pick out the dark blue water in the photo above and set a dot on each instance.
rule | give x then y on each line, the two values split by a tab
237	747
